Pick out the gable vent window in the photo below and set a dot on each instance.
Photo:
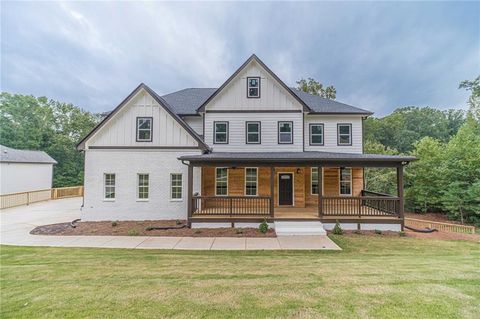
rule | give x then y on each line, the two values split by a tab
253	87
144	129
285	132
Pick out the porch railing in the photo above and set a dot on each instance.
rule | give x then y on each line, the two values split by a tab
231	205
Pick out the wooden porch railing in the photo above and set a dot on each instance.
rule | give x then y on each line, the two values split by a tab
369	204
25	198
231	205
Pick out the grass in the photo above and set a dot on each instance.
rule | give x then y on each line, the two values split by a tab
373	277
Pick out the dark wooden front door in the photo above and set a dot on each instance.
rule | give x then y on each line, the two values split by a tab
285	189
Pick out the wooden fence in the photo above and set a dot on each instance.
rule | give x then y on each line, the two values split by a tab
454	228
26	198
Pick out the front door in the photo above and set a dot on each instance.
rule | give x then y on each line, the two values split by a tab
285	189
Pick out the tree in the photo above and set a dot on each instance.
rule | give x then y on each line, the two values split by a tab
381	180
474	99
316	88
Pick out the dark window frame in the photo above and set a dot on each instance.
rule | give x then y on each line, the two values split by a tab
215	131
310	134
338	134
137	129
278	132
259	132
248	86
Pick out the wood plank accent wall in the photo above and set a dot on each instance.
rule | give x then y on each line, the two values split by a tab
302	191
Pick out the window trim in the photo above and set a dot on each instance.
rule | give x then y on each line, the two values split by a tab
338	134
278	132
216	168
181	188
105	199
256	181
259	132
311	135
215	131
248	86
138	188
137	130
340	181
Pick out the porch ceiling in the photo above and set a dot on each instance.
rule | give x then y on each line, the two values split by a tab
297	159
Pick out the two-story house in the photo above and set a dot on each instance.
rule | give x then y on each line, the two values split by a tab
250	150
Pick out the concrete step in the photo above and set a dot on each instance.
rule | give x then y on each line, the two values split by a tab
292	228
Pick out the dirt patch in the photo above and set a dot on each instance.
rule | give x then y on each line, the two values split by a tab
141	228
409	233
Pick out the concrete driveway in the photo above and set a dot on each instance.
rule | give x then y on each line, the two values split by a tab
17	222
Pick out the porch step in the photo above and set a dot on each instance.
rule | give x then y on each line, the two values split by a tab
292	228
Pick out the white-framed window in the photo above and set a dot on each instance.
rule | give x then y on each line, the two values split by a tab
143	186
253	132
251	181
220	132
221	181
176	186
344	132
345	181
253	87
316	134
109	186
285	132
314	181
144	129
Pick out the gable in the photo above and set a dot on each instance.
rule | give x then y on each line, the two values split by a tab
119	129
274	94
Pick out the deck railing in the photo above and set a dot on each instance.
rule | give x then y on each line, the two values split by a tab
26	198
447	227
231	205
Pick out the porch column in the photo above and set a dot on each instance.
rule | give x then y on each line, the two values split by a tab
400	192
272	190
189	192
320	191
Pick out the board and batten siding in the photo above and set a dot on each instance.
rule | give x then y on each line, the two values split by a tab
195	122
121	129
269	132
272	95
330	133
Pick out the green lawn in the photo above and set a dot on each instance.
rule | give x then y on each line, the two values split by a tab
373	277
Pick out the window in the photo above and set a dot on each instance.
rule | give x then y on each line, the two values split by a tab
253	87
253	132
221	181
285	132
144	129
345	181
109	185
176	186
314	180
220	132
143	186
344	134
316	134
251	181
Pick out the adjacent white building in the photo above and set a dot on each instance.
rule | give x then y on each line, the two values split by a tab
24	170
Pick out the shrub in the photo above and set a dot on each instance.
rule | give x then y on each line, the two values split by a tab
263	227
337	230
178	222
149	228
378	231
239	231
114	224
357	231
198	231
402	234
133	232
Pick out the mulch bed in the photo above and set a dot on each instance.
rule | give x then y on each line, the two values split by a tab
139	228
409	233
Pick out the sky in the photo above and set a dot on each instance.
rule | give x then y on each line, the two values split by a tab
378	55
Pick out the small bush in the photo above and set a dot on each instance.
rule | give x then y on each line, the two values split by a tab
114	224
178	222
357	231
239	231
263	227
149	228
337	230
133	232
402	234
198	231
378	231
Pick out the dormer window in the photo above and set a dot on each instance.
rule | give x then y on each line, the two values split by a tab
144	129
253	87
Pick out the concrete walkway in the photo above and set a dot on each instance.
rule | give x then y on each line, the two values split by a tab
17	222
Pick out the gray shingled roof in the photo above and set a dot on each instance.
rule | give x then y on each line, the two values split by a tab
11	155
186	102
295	157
